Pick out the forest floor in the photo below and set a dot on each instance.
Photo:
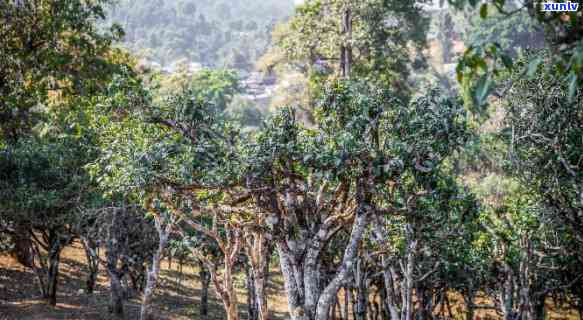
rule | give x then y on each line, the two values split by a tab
20	298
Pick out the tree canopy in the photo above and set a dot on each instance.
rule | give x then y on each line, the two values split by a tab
379	190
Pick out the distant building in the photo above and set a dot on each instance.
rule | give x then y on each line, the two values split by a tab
182	65
258	87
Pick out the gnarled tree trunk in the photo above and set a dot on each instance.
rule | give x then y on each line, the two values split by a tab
23	250
258	252
92	263
116	294
116	290
293	288
53	273
46	268
252	309
205	279
350	254
261	279
346	47
116	274
361	290
164	227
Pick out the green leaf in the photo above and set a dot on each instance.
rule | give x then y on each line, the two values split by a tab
532	67
572	86
484	11
481	63
483	88
507	61
459	70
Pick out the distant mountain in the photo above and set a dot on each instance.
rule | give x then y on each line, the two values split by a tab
213	33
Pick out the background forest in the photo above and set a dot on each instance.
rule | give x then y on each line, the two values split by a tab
308	160
223	34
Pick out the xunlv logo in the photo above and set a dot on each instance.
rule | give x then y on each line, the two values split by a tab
560	6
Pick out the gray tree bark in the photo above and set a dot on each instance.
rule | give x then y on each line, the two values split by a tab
408	268
361	291
260	277
116	294
294	296
252	307
164	228
258	252
205	279
329	294
23	250
115	275
53	273
47	270
388	279
92	263
507	293
346	47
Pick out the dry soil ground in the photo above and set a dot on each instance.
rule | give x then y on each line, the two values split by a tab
20	298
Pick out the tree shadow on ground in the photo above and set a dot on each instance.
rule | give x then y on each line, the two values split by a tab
20	297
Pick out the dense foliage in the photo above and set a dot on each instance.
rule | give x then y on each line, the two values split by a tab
50	51
545	136
374	192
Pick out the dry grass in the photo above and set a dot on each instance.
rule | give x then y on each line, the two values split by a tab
458	309
20	298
